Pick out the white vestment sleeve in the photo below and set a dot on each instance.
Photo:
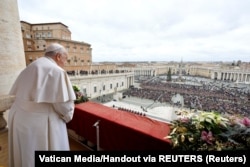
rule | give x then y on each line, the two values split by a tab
65	110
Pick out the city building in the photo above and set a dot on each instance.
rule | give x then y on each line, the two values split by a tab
36	37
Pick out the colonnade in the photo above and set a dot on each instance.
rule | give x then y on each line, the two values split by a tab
235	76
144	72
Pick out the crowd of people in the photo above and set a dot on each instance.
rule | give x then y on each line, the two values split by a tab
207	96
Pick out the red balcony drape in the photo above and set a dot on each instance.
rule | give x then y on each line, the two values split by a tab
119	130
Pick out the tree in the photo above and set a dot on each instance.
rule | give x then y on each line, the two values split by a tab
169	77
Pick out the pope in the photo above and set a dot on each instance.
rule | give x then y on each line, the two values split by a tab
44	103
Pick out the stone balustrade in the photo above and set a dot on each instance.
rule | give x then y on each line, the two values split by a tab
5	103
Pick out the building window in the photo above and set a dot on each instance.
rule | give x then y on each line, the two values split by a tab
27	35
110	86
49	34
95	89
31	59
84	91
67	48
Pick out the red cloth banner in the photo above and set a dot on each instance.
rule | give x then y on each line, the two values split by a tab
119	130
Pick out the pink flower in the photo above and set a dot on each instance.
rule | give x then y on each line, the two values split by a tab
208	137
245	121
78	95
185	120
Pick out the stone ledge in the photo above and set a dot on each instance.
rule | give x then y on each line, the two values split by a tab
5	102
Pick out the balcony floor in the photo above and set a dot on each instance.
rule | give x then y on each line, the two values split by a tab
74	146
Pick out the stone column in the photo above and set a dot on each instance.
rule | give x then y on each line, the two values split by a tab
11	50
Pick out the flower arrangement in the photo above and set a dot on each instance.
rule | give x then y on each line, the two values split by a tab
80	98
210	131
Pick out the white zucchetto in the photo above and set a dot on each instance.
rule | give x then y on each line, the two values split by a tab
53	47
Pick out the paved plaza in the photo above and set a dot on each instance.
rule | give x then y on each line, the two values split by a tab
154	110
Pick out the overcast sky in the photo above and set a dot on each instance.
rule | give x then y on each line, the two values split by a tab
151	30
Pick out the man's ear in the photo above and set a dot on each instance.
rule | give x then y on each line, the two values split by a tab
58	56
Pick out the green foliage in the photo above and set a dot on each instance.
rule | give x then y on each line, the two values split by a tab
80	98
169	75
210	131
76	88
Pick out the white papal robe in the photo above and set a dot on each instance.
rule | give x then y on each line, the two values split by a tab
37	119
